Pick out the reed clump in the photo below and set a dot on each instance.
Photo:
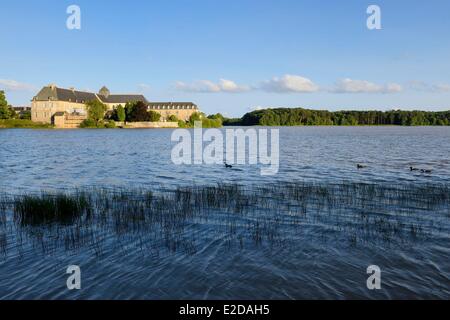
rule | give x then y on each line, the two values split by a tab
50	208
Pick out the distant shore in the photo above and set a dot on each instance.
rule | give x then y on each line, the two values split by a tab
308	117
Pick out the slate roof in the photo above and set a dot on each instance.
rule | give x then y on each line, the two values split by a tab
54	93
74	96
122	98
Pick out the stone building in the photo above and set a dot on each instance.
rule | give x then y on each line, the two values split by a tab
182	110
68	105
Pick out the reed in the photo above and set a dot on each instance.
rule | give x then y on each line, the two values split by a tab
273	214
49	208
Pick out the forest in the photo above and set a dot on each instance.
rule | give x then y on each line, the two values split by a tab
308	117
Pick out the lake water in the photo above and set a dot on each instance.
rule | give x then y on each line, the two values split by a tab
316	257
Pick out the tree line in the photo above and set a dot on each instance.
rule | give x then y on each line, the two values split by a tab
307	117
7	112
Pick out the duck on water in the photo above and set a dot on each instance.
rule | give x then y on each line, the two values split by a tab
421	170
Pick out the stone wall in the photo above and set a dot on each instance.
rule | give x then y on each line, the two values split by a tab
68	121
147	125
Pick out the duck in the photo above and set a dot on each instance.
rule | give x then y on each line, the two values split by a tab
413	169
426	171
361	166
227	165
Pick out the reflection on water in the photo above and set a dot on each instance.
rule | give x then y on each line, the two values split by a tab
301	234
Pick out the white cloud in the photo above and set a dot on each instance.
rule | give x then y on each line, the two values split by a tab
363	86
393	88
206	86
230	86
441	87
12	85
255	108
289	84
424	86
197	86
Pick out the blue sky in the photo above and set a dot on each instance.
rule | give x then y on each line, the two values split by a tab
233	56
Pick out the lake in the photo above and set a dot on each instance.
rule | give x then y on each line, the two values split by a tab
309	231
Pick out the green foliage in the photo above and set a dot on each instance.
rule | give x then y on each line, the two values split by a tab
136	112
121	115
207	122
154	116
306	117
5	110
173	118
196	116
211	123
23	123
26	115
183	124
96	110
117	114
232	121
49	208
88	123
13	114
128	110
110	124
216	116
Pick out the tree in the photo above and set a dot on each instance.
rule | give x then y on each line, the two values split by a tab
172	118
211	123
96	110
216	116
154	116
5	110
120	112
196	116
117	114
128	111
138	112
206	122
12	113
26	115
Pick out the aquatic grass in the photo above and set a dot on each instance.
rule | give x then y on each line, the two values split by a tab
48	208
276	214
